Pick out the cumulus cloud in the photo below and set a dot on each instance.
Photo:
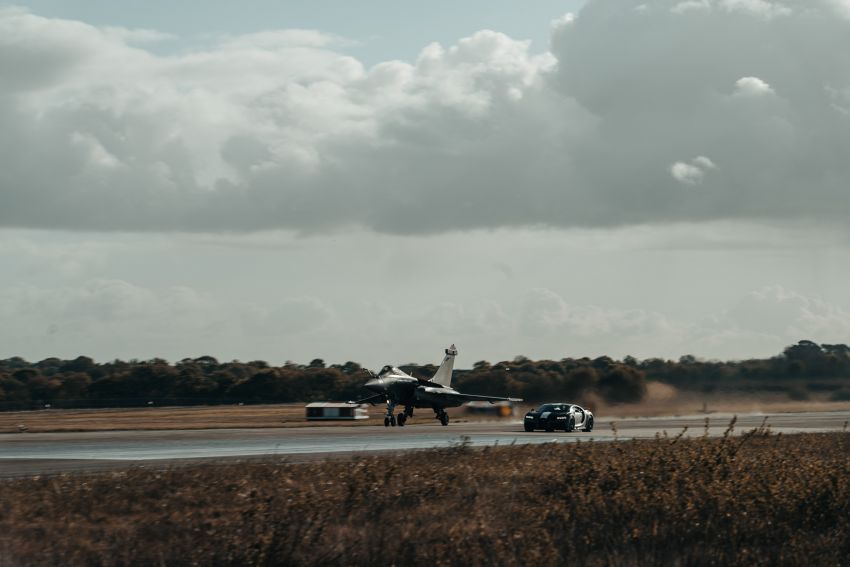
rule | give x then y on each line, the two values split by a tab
751	87
100	307
691	5
291	316
691	173
544	312
790	314
761	8
766	320
841	7
283	129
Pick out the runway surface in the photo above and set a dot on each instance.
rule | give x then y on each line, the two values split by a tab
41	453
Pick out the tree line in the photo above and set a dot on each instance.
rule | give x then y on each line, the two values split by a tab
82	382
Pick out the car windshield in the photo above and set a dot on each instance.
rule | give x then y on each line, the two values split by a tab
551	407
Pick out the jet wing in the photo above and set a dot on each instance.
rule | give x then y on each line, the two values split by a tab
375	399
446	394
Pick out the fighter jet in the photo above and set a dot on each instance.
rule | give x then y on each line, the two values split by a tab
399	388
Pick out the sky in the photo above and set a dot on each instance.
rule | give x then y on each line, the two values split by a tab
375	181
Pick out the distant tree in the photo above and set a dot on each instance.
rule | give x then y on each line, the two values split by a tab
622	383
582	379
349	368
14	363
265	385
687	359
13	390
79	364
192	382
74	385
208	362
24	375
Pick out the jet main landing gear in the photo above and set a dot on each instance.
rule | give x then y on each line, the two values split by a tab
401	418
441	415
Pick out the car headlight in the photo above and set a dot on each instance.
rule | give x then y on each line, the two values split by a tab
529	417
562	417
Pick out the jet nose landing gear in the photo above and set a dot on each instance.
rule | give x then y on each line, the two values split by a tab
389	419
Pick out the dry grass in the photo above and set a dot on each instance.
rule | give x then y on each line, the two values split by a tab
756	499
154	418
192	417
663	399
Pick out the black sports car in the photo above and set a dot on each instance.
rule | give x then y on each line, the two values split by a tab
550	417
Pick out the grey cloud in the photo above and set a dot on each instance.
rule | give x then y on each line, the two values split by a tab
291	316
789	314
544	312
278	130
456	320
766	320
104	306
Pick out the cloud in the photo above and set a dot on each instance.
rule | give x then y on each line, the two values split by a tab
790	314
101	307
283	39
137	35
751	87
283	129
766	320
691	5
544	312
291	316
841	7
760	8
691	173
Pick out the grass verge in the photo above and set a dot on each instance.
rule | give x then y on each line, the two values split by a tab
755	499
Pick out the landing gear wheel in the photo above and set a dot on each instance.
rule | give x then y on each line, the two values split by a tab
401	419
392	420
444	418
386	422
589	427
571	425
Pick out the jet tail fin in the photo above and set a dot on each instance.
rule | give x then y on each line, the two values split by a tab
443	376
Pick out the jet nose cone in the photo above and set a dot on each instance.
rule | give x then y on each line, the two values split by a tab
376	385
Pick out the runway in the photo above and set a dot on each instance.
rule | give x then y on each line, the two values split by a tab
41	453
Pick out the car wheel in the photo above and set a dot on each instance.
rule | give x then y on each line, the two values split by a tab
589	427
571	425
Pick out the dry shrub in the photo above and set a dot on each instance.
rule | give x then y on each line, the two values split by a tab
755	499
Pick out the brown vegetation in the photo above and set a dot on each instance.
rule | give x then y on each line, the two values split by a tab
661	399
757	499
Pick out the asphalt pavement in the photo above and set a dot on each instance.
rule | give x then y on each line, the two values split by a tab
24	454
